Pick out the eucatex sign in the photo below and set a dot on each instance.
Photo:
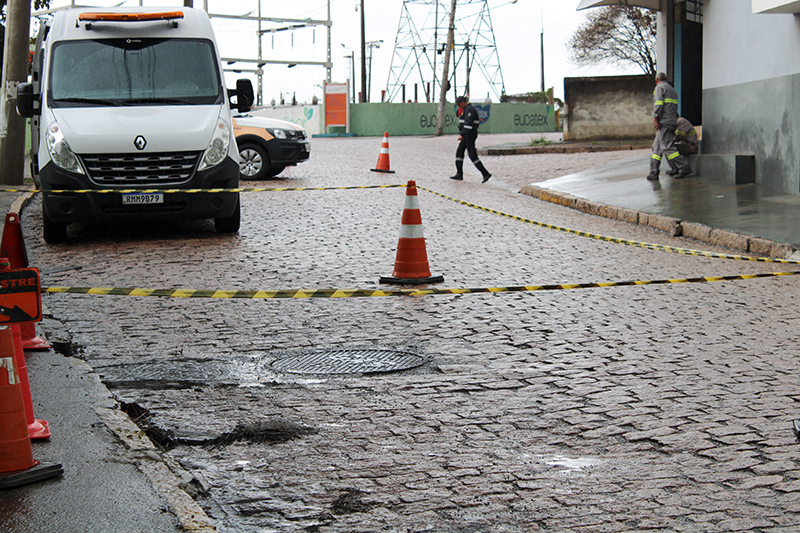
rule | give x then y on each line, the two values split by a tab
532	119
420	118
500	118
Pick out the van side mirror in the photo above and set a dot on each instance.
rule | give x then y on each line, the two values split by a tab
244	95
27	101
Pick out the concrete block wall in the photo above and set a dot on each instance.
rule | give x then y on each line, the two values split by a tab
609	107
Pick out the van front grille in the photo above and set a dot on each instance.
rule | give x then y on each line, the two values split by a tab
168	168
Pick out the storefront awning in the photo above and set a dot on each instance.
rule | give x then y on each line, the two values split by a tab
649	4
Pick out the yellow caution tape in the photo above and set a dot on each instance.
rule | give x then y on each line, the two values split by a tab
616	240
249	189
376	293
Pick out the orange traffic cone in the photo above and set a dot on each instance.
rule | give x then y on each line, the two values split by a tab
12	246
383	158
411	265
17	465
37	429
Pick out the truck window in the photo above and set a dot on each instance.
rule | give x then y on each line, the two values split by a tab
134	72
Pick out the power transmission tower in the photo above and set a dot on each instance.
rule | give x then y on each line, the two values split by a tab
420	43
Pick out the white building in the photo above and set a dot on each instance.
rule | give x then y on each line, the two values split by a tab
736	68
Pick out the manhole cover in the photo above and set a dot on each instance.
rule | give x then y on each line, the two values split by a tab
347	362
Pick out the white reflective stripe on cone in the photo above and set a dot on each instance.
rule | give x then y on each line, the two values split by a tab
411	231
412	202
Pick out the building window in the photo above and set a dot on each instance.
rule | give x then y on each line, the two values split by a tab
694	11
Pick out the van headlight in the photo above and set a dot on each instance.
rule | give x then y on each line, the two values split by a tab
218	147
60	152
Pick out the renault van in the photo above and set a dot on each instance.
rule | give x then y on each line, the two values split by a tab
130	105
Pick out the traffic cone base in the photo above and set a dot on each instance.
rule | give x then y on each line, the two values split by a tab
39	429
383	158
411	281
30	340
38	472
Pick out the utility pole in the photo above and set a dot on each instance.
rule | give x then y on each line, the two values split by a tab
15	70
542	53
445	70
330	63
259	67
363	57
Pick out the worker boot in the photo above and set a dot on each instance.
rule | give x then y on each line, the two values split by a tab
459	171
654	169
485	173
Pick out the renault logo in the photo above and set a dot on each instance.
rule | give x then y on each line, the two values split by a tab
140	142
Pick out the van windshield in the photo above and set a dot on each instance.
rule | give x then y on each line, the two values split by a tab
134	72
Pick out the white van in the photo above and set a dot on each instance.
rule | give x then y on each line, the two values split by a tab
131	100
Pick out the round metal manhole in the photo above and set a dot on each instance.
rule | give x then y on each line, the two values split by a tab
347	362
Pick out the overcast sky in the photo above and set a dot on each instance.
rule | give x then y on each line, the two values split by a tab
517	28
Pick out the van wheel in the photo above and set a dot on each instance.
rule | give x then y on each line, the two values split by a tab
53	232
229	224
253	162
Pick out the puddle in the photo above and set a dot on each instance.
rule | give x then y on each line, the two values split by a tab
569	464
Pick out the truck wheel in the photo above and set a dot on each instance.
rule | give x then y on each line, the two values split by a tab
53	232
253	162
229	224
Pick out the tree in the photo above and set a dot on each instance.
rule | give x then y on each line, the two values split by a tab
37	4
616	34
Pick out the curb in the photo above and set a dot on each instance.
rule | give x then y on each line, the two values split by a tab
146	457
168	479
674	226
560	148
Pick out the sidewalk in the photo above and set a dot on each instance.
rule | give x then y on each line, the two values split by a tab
741	217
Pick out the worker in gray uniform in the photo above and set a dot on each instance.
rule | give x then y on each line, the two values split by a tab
665	120
686	141
468	122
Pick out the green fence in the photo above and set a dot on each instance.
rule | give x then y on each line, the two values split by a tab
370	120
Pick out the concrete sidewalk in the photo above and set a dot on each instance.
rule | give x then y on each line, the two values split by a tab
747	218
114	477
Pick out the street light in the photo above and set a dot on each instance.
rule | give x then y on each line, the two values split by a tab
371	45
352	56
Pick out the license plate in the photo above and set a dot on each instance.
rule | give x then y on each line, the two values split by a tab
142	198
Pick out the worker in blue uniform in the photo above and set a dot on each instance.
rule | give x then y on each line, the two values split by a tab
468	122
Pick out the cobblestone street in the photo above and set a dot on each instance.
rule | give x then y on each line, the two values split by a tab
618	409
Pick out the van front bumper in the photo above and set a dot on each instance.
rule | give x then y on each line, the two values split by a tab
68	207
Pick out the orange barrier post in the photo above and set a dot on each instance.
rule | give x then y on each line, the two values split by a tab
12	246
17	465
37	429
411	264
383	157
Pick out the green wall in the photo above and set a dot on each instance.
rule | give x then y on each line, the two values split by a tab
372	120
